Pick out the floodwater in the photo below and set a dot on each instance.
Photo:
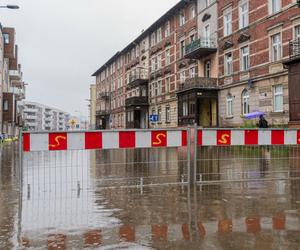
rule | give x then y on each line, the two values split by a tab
138	199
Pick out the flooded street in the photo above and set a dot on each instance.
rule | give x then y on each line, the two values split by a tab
138	199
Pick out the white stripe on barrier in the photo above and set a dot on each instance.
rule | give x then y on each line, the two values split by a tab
174	138
264	137
290	137
237	137
76	141
39	142
143	139
110	140
209	138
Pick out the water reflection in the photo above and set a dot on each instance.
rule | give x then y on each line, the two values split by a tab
89	202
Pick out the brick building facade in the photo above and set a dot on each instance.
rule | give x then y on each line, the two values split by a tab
206	62
253	43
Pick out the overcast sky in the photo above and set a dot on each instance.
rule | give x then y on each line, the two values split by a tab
62	42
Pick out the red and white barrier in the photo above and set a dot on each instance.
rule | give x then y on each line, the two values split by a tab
242	137
103	140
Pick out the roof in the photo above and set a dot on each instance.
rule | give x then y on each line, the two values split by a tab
152	28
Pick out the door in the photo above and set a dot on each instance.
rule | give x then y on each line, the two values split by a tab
205	113
137	119
294	91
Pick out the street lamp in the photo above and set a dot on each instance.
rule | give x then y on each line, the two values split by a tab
13	7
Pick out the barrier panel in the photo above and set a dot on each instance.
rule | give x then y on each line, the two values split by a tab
246	155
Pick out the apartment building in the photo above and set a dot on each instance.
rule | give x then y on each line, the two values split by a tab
13	87
205	62
39	117
92	106
253	44
143	78
198	89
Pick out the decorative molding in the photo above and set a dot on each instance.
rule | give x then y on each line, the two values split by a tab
243	38
206	17
227	44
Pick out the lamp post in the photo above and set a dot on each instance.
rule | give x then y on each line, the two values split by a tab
13	7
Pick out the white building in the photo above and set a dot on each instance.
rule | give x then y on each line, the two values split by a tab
39	117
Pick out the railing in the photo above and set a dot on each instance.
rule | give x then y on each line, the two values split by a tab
199	82
136	100
294	47
203	42
102	112
104	95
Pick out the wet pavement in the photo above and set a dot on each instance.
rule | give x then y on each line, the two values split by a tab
97	200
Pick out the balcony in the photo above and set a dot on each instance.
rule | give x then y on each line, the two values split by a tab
200	48
294	47
137	79
199	83
102	113
136	101
104	95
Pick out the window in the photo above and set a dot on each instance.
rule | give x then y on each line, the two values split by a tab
275	6
243	14
167	29
5	105
167	84
6	38
297	32
159	114
168	114
245	102
278	98
168	56
229	105
227	22
192	109
182	48
276	47
159	35
159	87
154	64
245	58
181	18
192	72
192	38
207	31
153	111
182	77
185	108
153	39
228	64
207	69
193	12
159	61
207	3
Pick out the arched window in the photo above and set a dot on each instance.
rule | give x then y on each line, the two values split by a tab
245	102
229	105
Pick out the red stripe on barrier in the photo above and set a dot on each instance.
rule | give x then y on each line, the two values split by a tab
127	233
253	225
127	139
185	231
184	138
93	238
58	141
251	137
223	137
200	136
159	138
26	142
93	140
201	229
298	137
159	232
279	221
277	137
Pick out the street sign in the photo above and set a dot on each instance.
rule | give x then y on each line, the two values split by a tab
153	118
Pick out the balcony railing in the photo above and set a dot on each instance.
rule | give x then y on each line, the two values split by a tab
136	101
294	47
199	83
102	112
104	95
138	78
200	47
